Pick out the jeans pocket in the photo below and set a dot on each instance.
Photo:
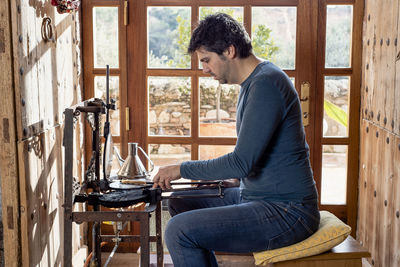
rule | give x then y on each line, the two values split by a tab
296	233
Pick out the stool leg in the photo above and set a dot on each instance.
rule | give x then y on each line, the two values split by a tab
144	240
160	250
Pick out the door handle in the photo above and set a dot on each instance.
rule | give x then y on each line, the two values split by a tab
127	119
305	102
126	13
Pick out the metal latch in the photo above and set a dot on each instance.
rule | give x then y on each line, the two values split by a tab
126	13
305	102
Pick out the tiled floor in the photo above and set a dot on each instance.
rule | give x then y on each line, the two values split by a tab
121	259
132	259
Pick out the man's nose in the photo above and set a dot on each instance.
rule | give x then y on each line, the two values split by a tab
205	69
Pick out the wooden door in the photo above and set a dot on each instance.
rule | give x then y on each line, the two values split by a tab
184	124
336	109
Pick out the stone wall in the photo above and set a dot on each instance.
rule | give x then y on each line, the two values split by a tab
170	105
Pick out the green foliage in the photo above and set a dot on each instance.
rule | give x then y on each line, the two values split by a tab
338	36
170	31
263	44
338	45
335	113
163	32
182	59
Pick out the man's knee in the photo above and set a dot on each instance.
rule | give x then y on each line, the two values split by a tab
170	233
176	231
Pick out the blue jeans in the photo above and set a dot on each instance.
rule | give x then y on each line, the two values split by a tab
201	226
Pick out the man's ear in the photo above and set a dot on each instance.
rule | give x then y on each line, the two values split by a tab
230	52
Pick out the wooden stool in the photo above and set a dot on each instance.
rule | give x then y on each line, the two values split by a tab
349	253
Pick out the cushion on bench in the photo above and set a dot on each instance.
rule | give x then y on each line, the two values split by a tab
331	232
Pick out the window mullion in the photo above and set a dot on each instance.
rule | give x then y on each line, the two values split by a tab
195	116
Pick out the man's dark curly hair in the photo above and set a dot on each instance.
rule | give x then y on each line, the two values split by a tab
217	32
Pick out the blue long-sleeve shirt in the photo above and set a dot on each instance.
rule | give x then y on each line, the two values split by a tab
271	156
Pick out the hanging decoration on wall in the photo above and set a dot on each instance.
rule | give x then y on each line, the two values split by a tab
66	6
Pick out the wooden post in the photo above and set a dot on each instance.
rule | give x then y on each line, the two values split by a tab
68	177
8	144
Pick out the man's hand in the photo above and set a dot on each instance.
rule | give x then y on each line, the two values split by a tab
165	175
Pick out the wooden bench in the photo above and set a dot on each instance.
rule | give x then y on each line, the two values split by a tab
349	253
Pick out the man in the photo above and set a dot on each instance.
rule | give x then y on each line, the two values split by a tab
276	204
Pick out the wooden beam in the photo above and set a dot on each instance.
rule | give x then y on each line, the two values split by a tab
354	118
8	144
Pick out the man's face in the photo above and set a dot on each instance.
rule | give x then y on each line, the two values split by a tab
214	64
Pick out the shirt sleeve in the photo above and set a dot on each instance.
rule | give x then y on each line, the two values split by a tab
262	114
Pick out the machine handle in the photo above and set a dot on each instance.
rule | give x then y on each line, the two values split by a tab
151	162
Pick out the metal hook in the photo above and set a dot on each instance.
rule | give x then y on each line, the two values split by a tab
47	30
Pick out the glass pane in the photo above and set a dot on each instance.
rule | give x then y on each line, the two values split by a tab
115	166
334	174
105	37
217	108
168	32
338	36
115	162
212	152
273	34
336	106
166	154
100	92
169	106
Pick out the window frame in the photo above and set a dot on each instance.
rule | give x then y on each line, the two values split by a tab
195	72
